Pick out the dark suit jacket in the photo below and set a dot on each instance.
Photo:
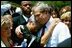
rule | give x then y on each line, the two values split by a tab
28	35
66	43
18	20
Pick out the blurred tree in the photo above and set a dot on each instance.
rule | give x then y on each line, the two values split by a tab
58	4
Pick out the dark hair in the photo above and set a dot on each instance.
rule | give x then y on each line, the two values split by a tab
54	8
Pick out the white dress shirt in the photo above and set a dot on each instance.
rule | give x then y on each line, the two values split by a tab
2	44
25	18
60	33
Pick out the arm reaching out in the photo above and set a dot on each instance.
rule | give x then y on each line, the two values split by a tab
48	34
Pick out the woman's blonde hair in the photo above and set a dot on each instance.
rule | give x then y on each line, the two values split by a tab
6	19
66	15
6	29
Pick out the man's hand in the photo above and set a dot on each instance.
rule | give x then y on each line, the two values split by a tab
18	31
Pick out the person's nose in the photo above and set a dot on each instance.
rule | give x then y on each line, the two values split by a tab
28	6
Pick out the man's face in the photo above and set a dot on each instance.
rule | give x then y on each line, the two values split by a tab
26	6
41	18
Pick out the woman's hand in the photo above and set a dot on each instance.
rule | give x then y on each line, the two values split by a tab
18	31
48	34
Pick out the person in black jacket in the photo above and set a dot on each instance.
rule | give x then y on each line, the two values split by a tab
25	15
21	19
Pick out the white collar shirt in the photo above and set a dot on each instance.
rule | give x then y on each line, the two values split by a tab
25	18
60	33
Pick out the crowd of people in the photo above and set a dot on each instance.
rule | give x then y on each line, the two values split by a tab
40	25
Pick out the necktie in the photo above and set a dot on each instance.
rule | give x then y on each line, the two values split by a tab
43	29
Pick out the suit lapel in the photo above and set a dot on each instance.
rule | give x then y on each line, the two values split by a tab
22	20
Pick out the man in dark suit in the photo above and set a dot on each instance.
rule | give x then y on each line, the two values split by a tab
25	15
21	19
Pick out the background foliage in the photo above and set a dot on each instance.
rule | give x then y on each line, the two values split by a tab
58	4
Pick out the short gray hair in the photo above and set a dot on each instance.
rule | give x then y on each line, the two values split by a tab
42	7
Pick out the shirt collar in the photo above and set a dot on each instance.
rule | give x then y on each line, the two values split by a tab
49	22
25	18
20	12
